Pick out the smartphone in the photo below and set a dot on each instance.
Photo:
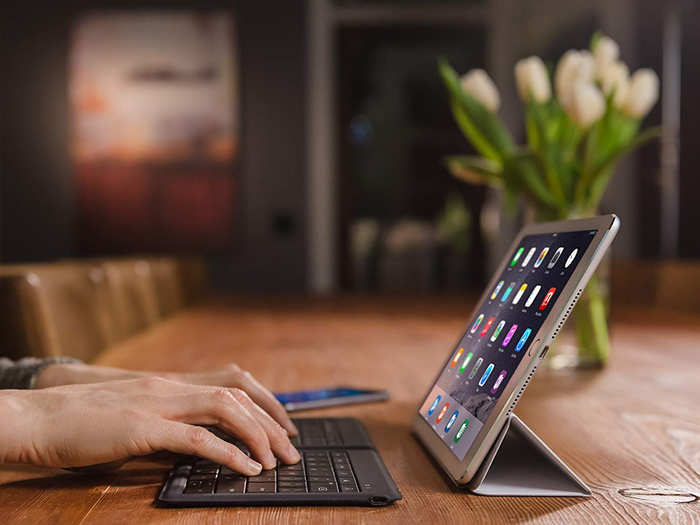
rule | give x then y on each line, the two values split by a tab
329	397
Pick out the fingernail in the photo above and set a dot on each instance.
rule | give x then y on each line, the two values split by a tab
270	460
254	466
293	453
293	429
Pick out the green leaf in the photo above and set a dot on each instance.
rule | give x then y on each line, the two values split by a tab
483	128
601	177
475	170
472	132
523	173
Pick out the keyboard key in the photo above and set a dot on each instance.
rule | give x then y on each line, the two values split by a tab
200	487
256	488
322	487
205	469
348	488
231	486
295	479
292	489
322	478
265	475
199	477
291	484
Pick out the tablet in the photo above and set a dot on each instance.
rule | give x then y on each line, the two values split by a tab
509	332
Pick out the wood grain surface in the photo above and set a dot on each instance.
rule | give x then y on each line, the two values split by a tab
632	431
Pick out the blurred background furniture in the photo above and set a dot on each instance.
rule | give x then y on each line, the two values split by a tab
80	308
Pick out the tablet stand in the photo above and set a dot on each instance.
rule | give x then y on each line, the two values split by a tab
521	464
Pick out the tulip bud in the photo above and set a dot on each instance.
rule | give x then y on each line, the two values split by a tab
642	93
614	78
587	104
605	51
574	67
532	79
479	85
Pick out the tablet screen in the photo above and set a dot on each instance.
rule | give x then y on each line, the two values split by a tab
500	334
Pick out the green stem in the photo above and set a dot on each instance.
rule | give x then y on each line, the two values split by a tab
590	318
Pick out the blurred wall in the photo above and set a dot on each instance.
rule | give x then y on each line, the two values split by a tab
37	212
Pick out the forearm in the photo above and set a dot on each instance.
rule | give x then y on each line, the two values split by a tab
15	431
80	373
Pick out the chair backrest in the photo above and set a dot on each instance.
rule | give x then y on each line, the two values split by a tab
78	308
133	293
166	279
62	309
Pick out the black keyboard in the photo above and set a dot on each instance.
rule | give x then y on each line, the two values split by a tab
339	466
319	471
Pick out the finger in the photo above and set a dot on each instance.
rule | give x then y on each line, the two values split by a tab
197	441
266	399
279	439
219	406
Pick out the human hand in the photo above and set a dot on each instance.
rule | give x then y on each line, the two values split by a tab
230	375
79	425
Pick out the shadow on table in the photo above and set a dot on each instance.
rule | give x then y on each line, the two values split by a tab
136	473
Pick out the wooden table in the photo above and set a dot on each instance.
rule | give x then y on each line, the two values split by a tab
632	431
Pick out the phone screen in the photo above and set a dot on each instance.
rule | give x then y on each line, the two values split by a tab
499	335
320	394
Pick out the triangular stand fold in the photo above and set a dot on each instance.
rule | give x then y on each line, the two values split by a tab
521	464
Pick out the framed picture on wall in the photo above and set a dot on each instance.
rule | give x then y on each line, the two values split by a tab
154	98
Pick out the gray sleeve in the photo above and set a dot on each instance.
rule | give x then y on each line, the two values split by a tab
22	374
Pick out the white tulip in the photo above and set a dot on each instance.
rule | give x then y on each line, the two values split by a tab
605	51
614	77
642	93
480	86
587	104
532	79
574	67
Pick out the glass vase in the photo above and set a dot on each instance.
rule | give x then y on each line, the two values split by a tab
585	339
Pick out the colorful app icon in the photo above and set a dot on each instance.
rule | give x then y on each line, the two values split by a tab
571	258
477	365
517	256
436	402
507	292
465	362
555	258
451	421
486	375
528	257
541	257
496	290
462	430
486	327
497	331
442	413
456	357
476	324
520	293
532	297
498	381
510	335
547	298
523	339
